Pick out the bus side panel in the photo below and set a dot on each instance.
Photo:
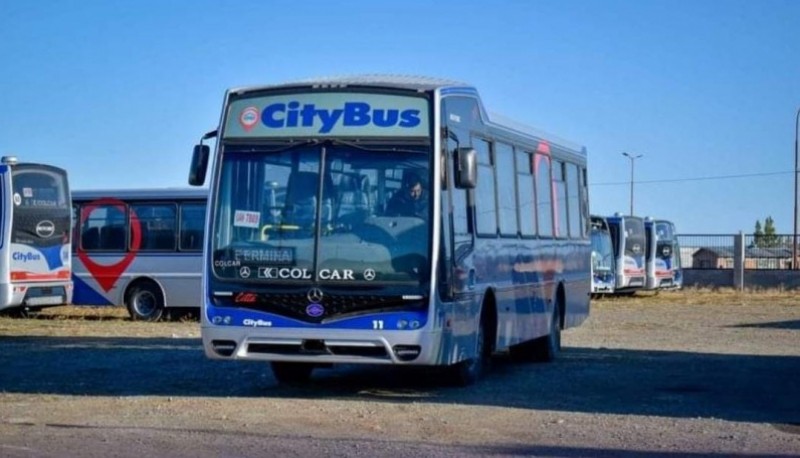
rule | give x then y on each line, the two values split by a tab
459	329
178	276
577	283
522	276
7	297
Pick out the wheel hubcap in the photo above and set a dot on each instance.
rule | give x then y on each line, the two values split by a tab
144	303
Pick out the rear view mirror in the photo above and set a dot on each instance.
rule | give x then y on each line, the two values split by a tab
466	168
197	171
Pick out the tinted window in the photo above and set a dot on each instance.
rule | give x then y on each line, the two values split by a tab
525	194
485	205
544	206
560	186
506	191
192	221
157	223
105	228
574	202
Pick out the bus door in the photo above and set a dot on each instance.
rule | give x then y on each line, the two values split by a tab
457	268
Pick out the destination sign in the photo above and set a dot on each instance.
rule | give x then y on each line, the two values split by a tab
328	114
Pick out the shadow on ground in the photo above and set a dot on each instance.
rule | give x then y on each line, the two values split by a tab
612	381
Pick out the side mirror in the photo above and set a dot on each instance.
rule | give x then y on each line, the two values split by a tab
466	168
197	171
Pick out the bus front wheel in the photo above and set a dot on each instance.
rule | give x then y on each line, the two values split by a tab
467	372
145	302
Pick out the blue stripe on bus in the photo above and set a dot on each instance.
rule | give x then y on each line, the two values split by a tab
83	294
53	256
387	321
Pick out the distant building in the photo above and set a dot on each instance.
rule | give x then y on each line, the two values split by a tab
754	258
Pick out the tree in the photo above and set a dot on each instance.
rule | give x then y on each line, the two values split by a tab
766	237
758	234
770	239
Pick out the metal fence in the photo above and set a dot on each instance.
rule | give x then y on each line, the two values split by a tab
763	252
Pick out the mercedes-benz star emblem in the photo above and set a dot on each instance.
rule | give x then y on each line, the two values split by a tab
244	272
314	295
369	274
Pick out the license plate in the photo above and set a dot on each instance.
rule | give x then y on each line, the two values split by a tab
44	300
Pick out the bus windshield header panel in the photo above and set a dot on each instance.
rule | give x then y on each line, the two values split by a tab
327	114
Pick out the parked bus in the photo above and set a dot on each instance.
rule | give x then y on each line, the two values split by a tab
603	271
141	248
388	221
628	240
662	256
34	237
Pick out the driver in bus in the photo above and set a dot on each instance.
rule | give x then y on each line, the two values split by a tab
412	200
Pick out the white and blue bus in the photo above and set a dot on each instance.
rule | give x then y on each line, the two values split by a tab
34	236
141	248
388	221
603	261
662	256
628	239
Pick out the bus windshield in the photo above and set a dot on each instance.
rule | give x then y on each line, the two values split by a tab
39	188
41	206
602	251
634	236
270	228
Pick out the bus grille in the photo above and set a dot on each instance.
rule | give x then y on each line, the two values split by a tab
296	305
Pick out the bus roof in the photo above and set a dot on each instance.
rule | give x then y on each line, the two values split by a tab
422	84
141	194
417	83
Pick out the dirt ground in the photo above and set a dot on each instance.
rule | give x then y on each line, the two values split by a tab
700	373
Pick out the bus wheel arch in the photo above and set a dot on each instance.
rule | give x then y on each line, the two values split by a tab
145	299
468	371
545	349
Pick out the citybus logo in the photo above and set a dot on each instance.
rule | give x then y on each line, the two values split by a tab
352	114
45	229
25	257
249	118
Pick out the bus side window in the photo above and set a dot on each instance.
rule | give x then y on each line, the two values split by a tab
191	240
90	239
112	238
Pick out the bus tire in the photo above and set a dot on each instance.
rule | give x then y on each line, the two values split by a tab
20	312
545	349
287	373
145	302
467	372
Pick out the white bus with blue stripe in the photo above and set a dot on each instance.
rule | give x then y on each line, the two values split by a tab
34	237
629	241
662	255
139	248
603	259
388	220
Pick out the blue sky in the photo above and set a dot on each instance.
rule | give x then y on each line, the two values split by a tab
118	92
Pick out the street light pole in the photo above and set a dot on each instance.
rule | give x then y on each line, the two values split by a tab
796	164
633	159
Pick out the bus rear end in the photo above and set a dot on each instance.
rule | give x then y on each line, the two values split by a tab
35	259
